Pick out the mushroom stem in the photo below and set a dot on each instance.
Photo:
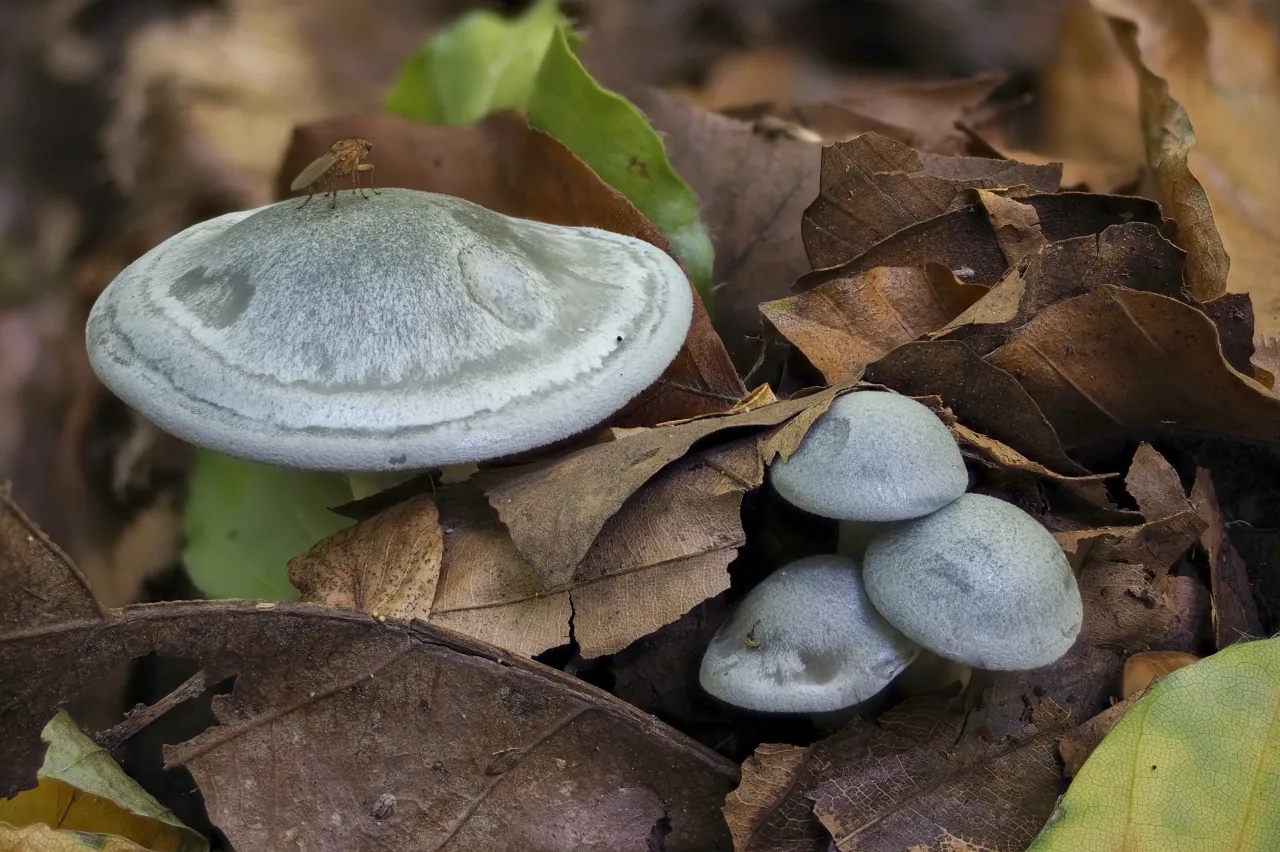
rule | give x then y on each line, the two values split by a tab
856	535
369	483
366	484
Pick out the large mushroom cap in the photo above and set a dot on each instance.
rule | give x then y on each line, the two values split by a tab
873	456
806	640
405	330
979	581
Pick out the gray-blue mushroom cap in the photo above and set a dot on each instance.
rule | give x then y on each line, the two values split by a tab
405	330
805	640
979	581
873	456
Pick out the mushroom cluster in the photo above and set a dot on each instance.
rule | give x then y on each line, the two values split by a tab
921	565
401	332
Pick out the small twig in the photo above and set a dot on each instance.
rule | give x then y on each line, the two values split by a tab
142	715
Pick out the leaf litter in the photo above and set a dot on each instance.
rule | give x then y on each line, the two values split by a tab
1073	342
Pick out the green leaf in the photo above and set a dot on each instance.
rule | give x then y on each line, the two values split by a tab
245	521
82	790
484	62
1194	765
609	134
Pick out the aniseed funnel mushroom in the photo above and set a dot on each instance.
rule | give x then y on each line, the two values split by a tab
404	331
873	457
805	640
979	581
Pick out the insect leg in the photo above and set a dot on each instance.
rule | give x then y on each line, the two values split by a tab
333	190
310	195
368	167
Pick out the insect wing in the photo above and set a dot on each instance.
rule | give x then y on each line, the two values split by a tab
314	171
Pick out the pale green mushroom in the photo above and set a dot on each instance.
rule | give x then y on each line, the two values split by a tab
873	458
401	332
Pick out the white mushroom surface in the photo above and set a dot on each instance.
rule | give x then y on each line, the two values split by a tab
873	456
979	581
805	640
400	331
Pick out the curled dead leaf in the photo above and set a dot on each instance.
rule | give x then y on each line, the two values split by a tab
1117	361
872	187
847	323
963	241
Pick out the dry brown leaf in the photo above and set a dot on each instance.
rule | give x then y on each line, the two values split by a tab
1235	610
1155	485
1116	361
486	589
928	109
1079	742
845	324
872	785
1082	175
1090	94
666	550
1133	255
752	223
1131	600
328	703
663	552
1143	669
1081	683
1017	226
982	396
873	187
914	779
445	559
761	814
504	164
1221	66
387	566
555	512
963	241
1232	313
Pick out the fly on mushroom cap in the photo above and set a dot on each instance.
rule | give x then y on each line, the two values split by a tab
407	330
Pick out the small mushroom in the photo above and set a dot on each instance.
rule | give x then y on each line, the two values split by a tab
979	581
873	457
404	331
805	640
